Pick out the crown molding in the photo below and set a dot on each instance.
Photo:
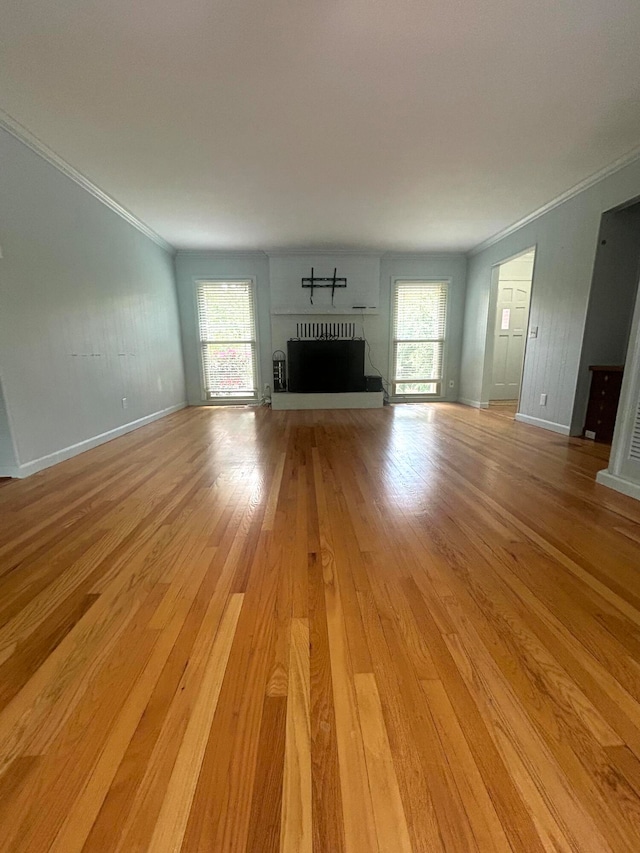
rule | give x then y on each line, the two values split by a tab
25	136
423	256
220	254
626	160
324	252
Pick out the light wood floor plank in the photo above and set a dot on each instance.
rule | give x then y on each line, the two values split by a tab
296	835
356	796
485	824
407	629
83	814
391	824
172	820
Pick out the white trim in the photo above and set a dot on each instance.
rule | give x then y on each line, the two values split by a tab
284	252
532	248
626	487
408	399
231	401
36	465
475	404
539	422
490	340
14	473
417	398
329	310
612	168
423	256
219	254
25	136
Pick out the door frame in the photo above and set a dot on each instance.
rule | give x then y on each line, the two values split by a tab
491	320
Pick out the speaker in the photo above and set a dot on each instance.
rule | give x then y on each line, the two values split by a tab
373	383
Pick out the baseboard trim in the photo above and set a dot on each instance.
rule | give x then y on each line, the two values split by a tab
12	472
43	462
475	404
626	487
539	422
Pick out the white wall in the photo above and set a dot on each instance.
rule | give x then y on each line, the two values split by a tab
8	462
191	266
566	239
375	325
287	270
275	329
88	313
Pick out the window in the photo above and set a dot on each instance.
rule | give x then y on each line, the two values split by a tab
228	347
419	323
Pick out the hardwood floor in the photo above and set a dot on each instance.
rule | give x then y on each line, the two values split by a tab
504	408
407	629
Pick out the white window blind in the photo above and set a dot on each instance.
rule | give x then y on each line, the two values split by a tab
419	326
226	318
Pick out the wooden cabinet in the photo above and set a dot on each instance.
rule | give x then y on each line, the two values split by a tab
603	401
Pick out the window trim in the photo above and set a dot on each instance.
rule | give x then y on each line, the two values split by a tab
227	401
418	398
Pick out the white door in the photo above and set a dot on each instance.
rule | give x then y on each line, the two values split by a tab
512	314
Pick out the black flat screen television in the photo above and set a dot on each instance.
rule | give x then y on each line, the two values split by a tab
326	366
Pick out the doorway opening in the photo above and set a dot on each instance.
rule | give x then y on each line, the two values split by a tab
513	281
614	289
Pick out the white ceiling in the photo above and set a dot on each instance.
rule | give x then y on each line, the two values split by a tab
414	125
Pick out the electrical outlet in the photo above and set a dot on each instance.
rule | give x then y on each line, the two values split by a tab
125	403
543	399
452	383
589	433
533	331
